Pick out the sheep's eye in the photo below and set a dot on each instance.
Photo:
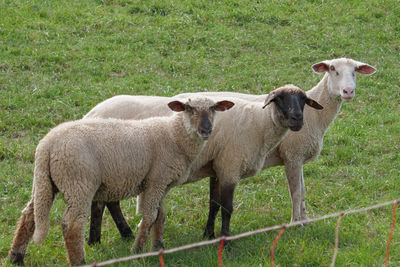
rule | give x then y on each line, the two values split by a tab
332	68
189	109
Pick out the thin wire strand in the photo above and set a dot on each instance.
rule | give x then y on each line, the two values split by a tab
267	229
336	240
390	233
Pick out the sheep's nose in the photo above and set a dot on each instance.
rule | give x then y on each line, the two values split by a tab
296	116
348	93
205	131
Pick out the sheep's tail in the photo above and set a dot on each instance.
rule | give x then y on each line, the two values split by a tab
43	193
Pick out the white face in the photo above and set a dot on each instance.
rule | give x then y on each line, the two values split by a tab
343	80
342	75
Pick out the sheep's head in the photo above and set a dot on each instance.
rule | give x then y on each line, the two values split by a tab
342	75
199	114
289	101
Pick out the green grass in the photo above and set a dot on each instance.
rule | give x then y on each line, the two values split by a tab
60	58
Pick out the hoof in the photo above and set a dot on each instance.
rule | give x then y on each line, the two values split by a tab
91	242
16	258
136	250
158	245
128	236
208	235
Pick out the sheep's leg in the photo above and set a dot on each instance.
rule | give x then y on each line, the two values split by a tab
303	211
157	230
73	227
150	203
120	222
96	218
23	234
293	175
227	191
215	203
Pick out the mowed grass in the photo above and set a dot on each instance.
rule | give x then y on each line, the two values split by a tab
60	58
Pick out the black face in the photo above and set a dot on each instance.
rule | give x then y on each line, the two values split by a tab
205	125
291	107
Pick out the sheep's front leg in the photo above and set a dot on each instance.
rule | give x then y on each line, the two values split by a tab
215	203
23	234
120	222
96	217
227	191
294	175
303	211
157	231
150	202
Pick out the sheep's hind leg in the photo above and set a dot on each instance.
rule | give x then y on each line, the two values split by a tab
215	203
120	222
96	217
23	234
73	227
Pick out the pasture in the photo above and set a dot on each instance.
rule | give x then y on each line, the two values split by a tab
60	58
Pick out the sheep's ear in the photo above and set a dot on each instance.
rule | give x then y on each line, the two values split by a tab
223	105
269	99
321	67
313	104
365	69
176	106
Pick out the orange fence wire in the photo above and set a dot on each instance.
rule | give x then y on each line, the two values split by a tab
161	258
274	244
220	252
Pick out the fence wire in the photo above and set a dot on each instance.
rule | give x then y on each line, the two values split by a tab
281	227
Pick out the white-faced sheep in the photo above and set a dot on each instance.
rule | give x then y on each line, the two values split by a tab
238	147
110	160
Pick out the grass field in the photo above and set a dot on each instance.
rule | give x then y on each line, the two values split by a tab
59	58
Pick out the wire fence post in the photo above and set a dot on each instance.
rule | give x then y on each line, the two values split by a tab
391	232
274	244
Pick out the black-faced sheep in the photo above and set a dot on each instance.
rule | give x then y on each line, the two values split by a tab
238	147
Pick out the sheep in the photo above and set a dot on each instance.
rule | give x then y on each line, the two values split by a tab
298	148
110	160
235	153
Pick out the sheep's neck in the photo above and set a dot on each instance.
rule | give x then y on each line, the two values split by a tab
331	103
188	143
272	135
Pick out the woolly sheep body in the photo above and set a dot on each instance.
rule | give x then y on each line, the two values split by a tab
108	160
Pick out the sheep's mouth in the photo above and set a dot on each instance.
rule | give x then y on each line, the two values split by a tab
295	126
347	98
204	136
